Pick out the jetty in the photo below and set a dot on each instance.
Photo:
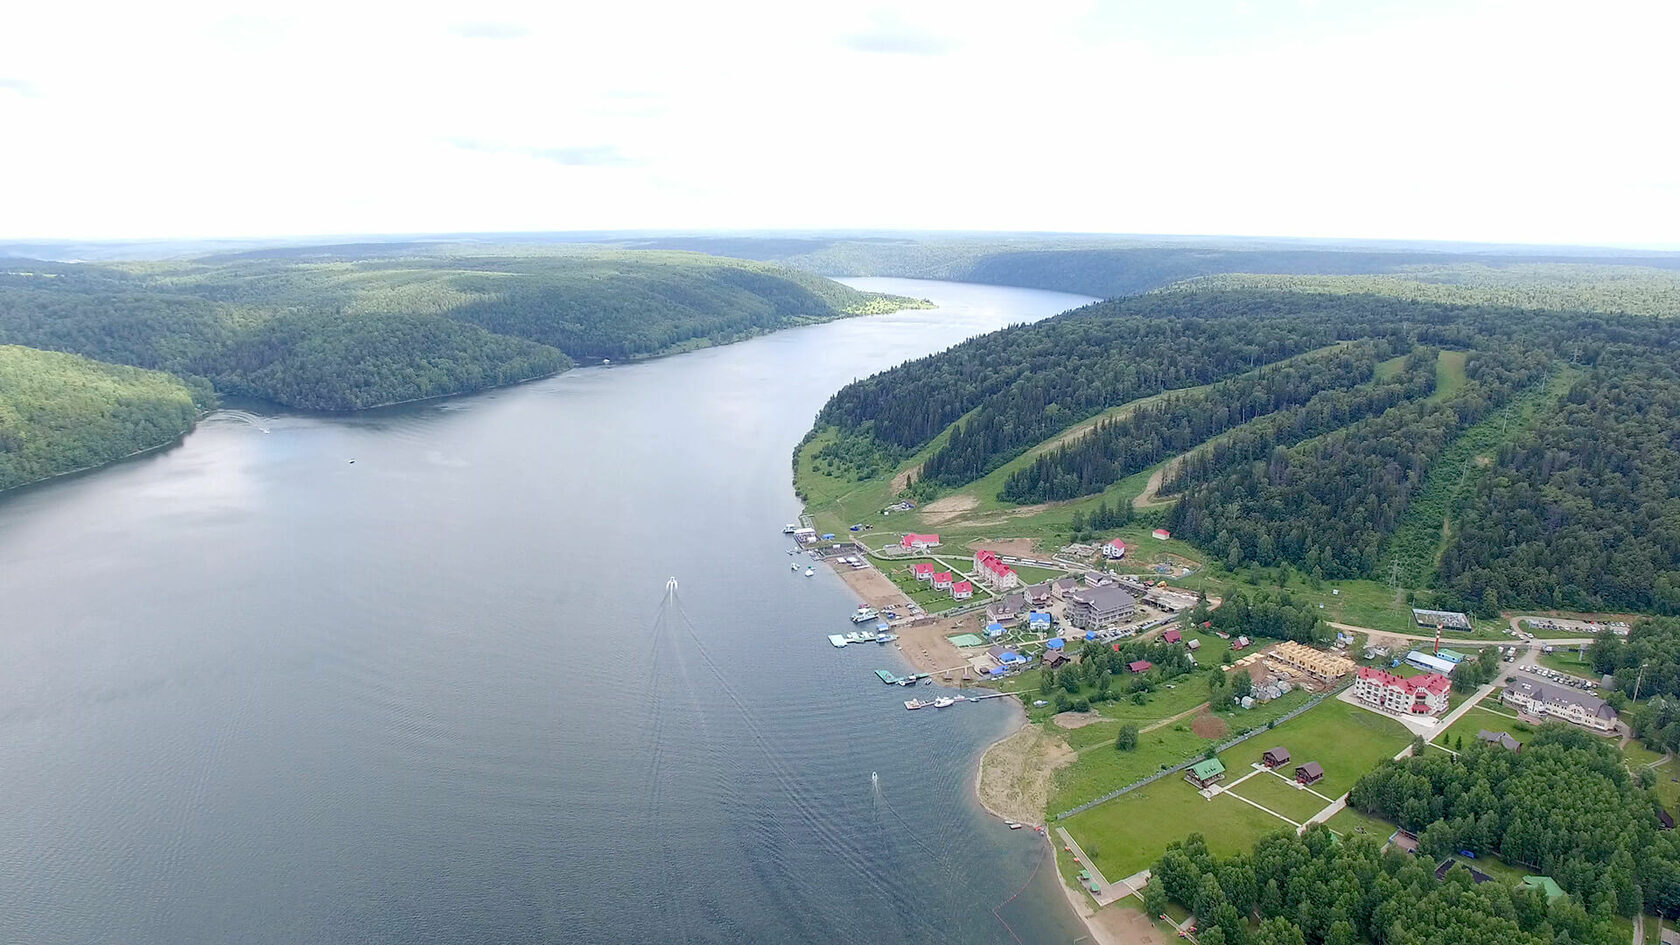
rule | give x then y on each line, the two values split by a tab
910	680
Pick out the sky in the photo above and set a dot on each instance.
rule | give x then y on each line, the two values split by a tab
1530	122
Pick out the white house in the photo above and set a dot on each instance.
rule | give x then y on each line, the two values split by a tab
1403	695
1562	702
991	569
1114	550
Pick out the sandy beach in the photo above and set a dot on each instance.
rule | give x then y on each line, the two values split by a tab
1013	782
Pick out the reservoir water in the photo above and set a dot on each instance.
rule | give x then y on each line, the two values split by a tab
400	677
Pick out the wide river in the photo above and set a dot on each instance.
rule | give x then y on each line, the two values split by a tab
402	677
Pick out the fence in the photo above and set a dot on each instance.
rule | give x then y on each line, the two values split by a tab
1315	700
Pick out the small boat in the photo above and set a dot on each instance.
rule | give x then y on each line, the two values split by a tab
944	702
789	529
810	571
916	703
864	613
1013	825
885	637
794	566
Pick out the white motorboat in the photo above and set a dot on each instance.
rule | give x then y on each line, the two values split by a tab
944	702
864	613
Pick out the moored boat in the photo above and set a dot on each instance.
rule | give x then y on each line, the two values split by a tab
916	703
944	702
810	571
864	613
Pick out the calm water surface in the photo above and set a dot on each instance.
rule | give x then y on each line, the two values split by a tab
255	692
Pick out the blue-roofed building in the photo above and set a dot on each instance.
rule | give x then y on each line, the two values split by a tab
1038	620
1055	643
994	629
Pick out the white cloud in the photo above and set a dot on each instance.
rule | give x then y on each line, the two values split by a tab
1538	122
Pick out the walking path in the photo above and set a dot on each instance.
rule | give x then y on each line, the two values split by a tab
1106	893
1446	721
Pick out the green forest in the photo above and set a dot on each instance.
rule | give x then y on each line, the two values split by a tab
1564	807
61	412
1496	455
350	333
329	330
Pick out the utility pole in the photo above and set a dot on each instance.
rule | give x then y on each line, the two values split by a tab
1638	680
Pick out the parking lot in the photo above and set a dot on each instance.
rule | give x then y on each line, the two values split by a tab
1562	679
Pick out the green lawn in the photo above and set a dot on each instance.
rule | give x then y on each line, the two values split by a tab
1638	756
1032	575
1130	833
1348	821
1101	770
1485	715
921	592
1567	661
1347	740
1283	796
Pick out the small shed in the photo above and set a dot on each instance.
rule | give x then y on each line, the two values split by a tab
1309	774
1194	644
1205	773
1502	739
1139	666
1275	757
1665	820
994	629
1055	658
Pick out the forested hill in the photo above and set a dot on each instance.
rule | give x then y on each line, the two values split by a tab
1109	266
60	412
1339	432
342	331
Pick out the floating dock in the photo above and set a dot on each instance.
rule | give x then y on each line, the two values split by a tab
910	680
860	636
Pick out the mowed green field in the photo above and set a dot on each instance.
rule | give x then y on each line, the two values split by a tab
1129	834
1346	739
1135	828
1281	795
1488	714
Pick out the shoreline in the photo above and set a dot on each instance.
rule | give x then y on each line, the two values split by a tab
1109	928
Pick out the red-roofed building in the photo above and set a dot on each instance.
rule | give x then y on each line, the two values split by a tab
962	590
914	542
1406	695
1141	666
923	571
1172	636
1114	550
942	581
991	569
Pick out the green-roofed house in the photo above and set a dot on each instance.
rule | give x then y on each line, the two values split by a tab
1543	884
1205	773
1452	655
